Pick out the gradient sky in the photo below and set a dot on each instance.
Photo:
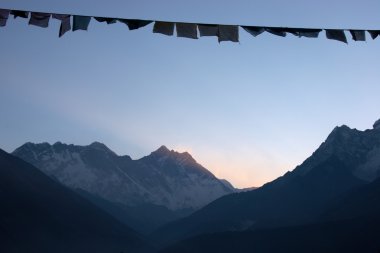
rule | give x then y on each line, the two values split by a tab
247	111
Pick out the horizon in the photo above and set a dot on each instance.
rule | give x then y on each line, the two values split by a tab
180	152
247	111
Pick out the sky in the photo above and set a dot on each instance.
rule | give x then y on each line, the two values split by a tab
248	111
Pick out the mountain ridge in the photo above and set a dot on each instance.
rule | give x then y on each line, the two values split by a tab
346	159
163	178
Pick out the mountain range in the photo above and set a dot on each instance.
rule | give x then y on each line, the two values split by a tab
66	198
347	160
144	193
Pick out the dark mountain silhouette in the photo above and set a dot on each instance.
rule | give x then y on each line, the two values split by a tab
349	158
361	202
145	217
144	193
38	214
350	224
349	236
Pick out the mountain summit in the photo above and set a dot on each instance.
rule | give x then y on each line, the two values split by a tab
162	151
358	150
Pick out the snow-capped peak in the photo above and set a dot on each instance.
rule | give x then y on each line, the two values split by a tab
162	151
165	177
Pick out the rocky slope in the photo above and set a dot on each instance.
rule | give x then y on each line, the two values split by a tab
38	214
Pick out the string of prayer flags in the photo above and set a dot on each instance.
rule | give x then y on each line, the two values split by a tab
4	14
223	32
293	31
134	24
280	31
81	22
166	28
228	33
276	31
208	30
187	30
254	30
334	34
21	14
308	33
39	19
374	33
65	23
106	20
303	32
358	35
